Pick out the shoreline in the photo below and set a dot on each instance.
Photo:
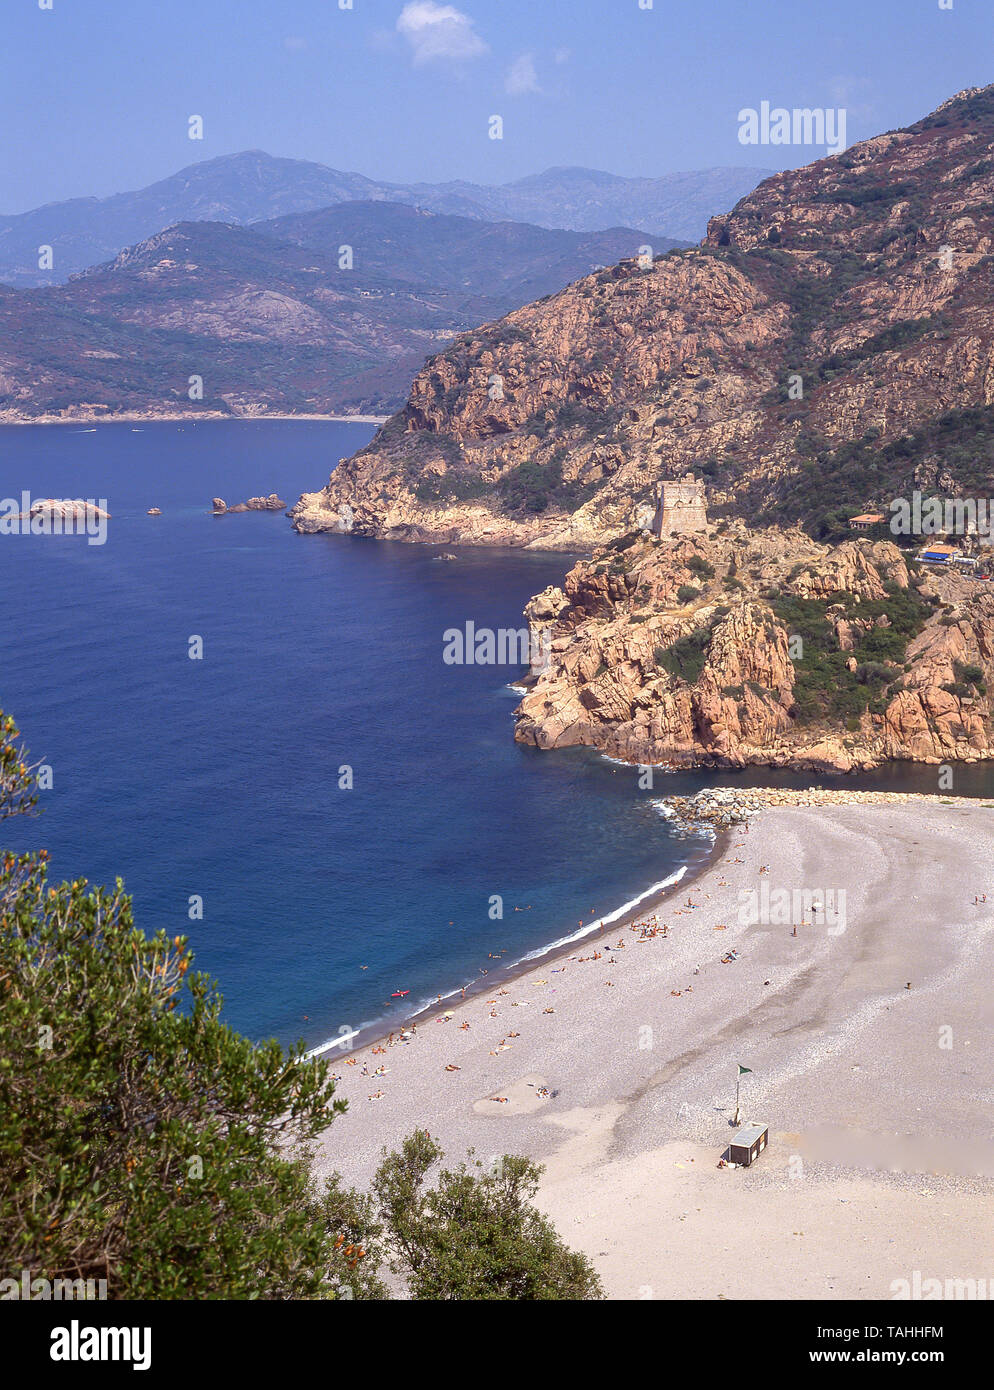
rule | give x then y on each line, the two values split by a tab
615	1067
138	419
651	901
711	820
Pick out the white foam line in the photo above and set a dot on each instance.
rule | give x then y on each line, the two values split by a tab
593	926
337	1041
606	921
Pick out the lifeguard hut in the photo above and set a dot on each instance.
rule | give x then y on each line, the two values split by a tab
747	1144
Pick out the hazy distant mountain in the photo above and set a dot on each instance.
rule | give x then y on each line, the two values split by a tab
269	319
507	262
676	205
254	186
238	188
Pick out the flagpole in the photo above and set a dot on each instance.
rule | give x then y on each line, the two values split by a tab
738	1082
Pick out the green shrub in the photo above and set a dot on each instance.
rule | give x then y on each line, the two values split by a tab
452	486
535	487
824	687
685	658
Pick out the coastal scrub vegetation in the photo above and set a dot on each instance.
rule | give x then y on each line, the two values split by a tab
685	657
145	1142
452	486
475	1235
535	487
824	686
829	478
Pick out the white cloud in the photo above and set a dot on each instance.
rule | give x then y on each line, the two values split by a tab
561	55
439	32
294	44
522	76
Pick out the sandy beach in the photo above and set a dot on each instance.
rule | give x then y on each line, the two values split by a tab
176	417
867	1040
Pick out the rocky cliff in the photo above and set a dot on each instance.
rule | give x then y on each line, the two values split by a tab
830	344
737	647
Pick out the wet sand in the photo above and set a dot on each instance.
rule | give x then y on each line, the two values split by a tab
877	1096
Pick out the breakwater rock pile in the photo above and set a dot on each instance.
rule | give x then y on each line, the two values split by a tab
720	808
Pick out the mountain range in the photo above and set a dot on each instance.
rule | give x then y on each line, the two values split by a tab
254	187
275	317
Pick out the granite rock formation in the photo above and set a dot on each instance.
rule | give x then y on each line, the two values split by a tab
742	647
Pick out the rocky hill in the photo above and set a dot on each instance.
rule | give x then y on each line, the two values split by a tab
736	647
269	318
503	262
829	345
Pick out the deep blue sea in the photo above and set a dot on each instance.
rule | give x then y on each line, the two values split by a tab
220	777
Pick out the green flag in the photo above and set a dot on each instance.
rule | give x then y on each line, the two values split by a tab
743	1070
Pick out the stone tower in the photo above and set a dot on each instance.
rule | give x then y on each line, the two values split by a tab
682	507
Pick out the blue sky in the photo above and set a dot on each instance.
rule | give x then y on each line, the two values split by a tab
95	95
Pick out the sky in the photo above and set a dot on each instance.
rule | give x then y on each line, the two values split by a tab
96	96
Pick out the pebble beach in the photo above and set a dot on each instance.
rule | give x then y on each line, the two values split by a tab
865	1030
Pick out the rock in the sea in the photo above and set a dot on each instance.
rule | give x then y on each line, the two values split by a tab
63	510
272	503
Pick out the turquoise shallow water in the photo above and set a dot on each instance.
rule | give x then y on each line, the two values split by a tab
220	777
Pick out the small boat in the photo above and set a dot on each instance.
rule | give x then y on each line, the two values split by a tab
399	993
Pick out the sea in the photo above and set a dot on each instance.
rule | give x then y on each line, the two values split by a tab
257	731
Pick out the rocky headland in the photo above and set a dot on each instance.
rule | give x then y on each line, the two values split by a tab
829	344
827	348
734	647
